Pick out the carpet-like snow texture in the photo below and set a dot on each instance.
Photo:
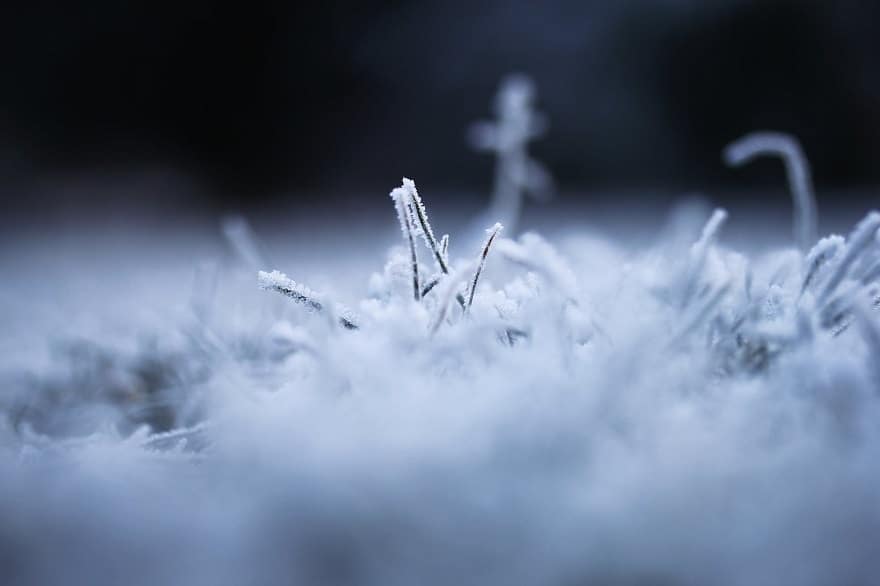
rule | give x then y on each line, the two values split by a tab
588	413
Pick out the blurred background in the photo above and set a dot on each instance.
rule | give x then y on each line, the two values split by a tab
198	105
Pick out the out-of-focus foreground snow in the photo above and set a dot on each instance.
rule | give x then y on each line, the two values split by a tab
674	413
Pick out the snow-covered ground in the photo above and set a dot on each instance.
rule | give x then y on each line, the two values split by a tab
654	404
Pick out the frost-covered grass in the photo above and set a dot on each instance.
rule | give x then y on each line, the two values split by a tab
528	410
543	413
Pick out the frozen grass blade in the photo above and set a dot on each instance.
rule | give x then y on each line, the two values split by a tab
404	216
702	314
866	316
861	238
449	289
243	241
428	234
492	234
872	274
281	283
516	174
699	252
820	255
409	188
797	169
431	284
189	436
444	247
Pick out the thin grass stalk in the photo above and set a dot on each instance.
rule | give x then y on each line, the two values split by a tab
492	234
404	216
280	283
797	170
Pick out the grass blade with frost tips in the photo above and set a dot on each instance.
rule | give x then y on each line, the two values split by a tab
859	240
400	197
535	254
281	283
872	274
447	290
174	437
427	233
702	314
431	284
819	256
797	169
699	252
516	174
492	234
870	330
238	232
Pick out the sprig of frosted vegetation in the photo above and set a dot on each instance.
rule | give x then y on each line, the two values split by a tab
403	203
516	173
419	215
491	234
745	315
410	191
281	283
786	147
241	238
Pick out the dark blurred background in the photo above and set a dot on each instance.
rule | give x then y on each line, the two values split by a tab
257	101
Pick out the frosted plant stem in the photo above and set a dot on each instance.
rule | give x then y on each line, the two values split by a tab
872	274
700	250
240	236
517	175
507	194
448	290
859	240
820	255
703	313
797	169
176	435
870	330
280	283
492	234
404	216
430	286
427	233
